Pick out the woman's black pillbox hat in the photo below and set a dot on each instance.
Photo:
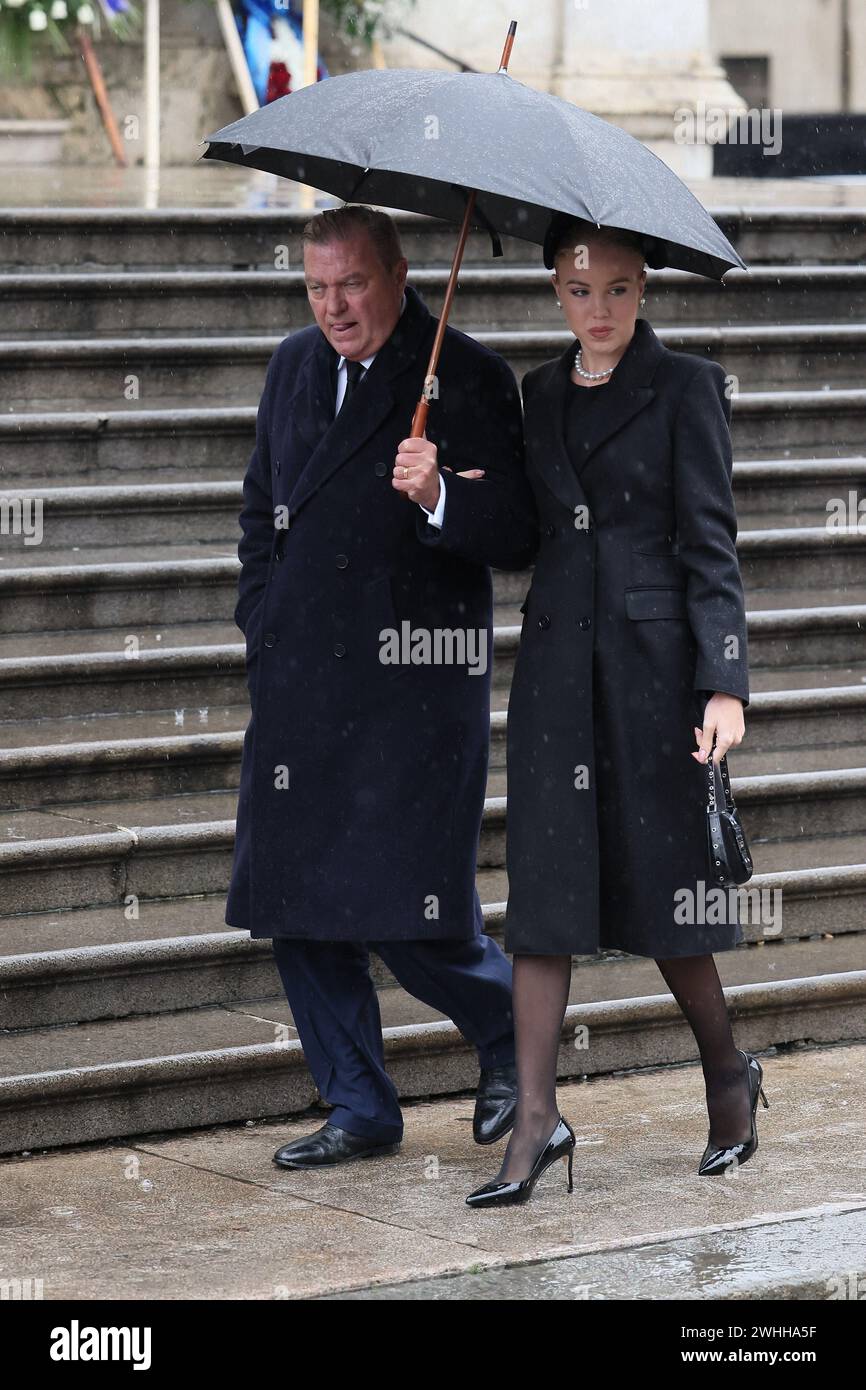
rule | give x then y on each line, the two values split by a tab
653	249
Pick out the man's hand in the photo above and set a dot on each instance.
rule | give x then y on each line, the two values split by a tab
723	717
416	471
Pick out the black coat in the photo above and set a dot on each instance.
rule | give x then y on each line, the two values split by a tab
635	601
362	783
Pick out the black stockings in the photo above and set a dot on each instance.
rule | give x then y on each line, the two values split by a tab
540	997
540	994
694	982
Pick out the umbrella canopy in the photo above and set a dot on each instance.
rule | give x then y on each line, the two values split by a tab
417	140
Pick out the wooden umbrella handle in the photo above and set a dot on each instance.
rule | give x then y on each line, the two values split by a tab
419	419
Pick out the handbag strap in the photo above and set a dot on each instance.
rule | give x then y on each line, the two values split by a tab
727	797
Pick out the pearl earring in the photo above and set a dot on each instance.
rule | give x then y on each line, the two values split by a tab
558	305
643	300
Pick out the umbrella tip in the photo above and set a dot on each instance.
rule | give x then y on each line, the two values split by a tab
506	52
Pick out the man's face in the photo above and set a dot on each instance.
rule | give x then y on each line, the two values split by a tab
356	301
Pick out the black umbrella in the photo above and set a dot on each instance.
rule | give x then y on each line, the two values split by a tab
476	147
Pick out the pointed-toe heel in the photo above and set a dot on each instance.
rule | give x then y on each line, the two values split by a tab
716	1160
561	1144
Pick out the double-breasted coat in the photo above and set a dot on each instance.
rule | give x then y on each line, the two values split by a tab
635	616
363	779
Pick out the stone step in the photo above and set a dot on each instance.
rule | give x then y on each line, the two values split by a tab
149	757
98	962
242	1059
47	448
787	492
55	448
216	632
103	239
161	920
163	585
137	514
798	492
92	853
810	557
116	1026
75	304
193	681
822	878
65	727
86	964
174	372
766	424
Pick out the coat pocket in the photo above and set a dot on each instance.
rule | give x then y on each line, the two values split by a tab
656	569
253	624
643	604
379	629
378	601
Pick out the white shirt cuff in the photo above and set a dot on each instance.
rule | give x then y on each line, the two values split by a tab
437	518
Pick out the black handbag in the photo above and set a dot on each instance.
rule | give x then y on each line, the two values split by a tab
728	851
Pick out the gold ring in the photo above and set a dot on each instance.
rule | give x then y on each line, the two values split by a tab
405	472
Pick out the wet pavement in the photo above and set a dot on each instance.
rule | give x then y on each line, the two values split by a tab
205	1214
798	1259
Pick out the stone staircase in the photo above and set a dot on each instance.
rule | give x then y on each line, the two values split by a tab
132	357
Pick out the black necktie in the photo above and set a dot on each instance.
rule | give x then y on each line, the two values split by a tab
354	373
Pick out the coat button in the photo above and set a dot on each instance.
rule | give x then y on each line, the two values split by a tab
550	530
544	621
585	622
339	649
342	561
270	639
381	470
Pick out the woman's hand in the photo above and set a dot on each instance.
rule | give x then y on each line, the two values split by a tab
723	717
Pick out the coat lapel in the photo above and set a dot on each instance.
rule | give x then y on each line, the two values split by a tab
334	441
629	393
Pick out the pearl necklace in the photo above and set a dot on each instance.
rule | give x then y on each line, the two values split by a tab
589	376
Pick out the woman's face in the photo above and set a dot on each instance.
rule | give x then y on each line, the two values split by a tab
600	286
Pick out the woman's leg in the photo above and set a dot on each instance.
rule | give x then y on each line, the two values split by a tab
695	984
540	997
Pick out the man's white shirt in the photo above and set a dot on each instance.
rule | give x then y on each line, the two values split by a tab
436	517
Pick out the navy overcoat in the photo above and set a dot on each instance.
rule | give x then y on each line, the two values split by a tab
363	780
634	617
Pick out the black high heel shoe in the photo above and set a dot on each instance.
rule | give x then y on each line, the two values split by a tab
716	1160
502	1194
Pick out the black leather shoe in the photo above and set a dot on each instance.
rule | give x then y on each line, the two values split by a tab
495	1104
328	1145
716	1160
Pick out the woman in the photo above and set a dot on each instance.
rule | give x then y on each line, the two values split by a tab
633	651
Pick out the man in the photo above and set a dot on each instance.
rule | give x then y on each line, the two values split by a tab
365	760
